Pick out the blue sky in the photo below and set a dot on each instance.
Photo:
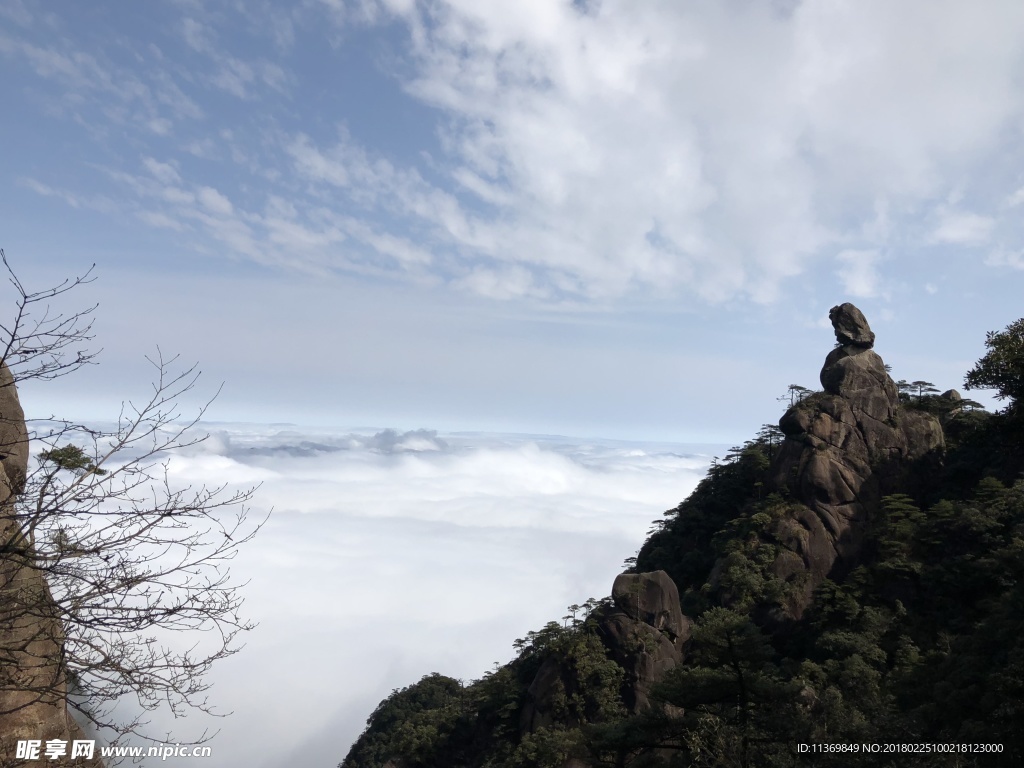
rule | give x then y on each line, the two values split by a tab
593	218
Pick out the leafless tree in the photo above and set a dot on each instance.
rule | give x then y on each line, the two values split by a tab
39	343
130	558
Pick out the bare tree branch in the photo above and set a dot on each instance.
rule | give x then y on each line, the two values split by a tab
130	559
38	343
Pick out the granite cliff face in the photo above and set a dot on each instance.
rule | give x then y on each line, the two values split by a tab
33	685
843	450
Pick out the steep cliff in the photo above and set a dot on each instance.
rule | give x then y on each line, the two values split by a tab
33	683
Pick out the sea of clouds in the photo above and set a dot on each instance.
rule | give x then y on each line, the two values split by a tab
390	555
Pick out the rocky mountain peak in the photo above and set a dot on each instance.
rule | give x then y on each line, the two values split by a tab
841	446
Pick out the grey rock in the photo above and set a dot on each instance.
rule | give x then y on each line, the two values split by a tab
653	599
924	433
851	326
644	632
644	653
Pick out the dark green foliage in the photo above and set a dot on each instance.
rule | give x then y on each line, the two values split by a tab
920	389
794	394
772	436
1002	367
680	545
440	722
412	721
732	682
588	689
72	458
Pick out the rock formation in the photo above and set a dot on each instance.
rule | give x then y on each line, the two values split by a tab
643	632
644	602
842	448
33	686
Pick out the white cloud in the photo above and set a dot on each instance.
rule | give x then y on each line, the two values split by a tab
859	272
316	165
120	95
75	68
457	544
231	74
197	37
615	151
170	95
204	148
507	283
161	126
234	77
16	11
164	172
156	219
1004	258
177	196
94	202
214	201
962	228
1015	199
749	141
273	76
402	250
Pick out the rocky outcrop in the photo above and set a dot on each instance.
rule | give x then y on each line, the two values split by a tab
646	633
652	598
842	447
33	686
643	631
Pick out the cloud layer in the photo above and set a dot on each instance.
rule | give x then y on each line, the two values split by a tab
390	555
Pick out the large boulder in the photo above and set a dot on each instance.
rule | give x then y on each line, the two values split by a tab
644	631
644	654
842	445
851	326
652	598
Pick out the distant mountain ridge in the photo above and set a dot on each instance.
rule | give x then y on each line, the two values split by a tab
852	577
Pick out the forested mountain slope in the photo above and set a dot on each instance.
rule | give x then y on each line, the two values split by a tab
850	579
